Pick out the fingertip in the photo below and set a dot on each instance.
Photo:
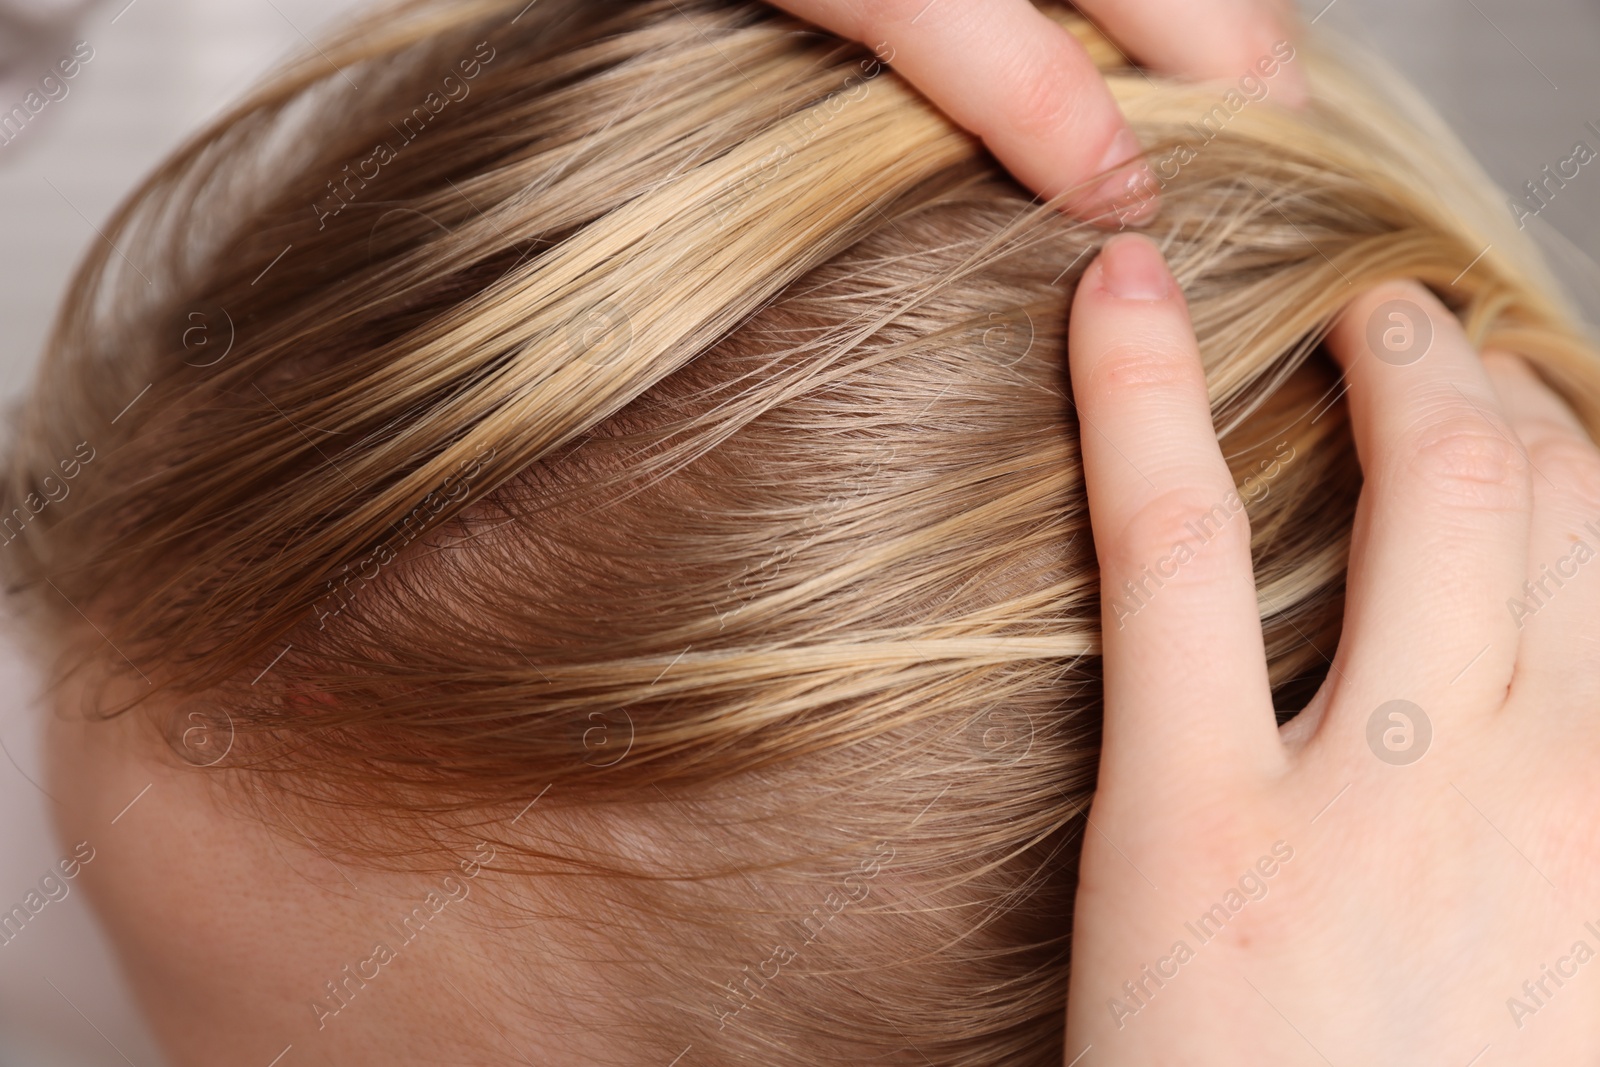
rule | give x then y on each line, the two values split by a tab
1396	322
1133	268
1129	323
1294	85
1294	91
1251	44
1270	51
1129	195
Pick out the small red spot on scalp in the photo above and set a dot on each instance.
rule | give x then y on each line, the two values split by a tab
310	698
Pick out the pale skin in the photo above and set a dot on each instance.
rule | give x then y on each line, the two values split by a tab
1422	901
230	931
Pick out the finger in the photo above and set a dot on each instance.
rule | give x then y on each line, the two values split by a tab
1185	668
1017	79
1441	532
1221	39
1558	607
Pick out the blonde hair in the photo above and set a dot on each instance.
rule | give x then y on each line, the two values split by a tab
659	405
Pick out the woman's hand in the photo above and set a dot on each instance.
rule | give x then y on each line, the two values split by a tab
1010	74
1409	872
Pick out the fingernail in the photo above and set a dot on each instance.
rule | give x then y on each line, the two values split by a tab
1131	268
1127	197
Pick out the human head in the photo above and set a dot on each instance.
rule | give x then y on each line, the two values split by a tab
651	483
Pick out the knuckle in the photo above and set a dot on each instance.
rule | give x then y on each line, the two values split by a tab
1468	462
1146	366
872	19
1048	94
1181	529
879	16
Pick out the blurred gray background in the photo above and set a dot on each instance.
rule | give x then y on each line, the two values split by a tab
1516	78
